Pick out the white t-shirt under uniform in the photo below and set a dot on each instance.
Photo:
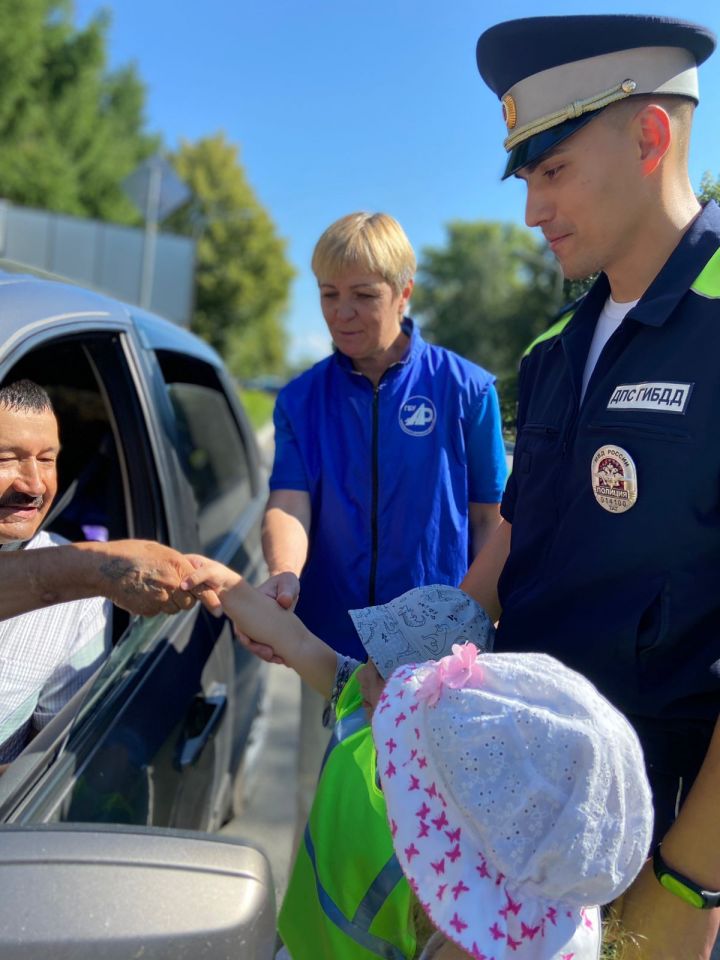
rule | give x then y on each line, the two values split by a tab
612	315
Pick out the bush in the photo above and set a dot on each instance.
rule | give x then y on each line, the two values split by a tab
258	405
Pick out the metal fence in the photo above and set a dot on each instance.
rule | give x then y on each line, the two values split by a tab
104	256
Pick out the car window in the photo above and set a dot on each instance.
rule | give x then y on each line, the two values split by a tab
160	732
104	462
109	487
209	445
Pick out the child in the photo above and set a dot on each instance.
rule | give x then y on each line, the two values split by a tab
516	796
347	898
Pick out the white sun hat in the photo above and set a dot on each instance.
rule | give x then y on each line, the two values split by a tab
517	799
421	624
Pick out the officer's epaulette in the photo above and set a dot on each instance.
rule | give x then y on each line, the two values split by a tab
559	321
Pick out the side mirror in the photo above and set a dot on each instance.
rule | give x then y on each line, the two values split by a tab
105	893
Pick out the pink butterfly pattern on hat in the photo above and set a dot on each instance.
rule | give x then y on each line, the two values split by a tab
477	893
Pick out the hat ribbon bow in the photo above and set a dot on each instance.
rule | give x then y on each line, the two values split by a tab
458	670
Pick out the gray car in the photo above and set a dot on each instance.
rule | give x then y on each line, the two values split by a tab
107	843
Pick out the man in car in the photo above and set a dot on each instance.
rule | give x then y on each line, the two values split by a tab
46	655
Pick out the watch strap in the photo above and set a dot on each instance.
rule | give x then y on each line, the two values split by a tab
679	885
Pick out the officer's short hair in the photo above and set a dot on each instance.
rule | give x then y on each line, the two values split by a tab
369	241
25	396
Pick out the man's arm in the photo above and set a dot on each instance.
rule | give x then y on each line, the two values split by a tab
665	927
140	576
484	518
481	580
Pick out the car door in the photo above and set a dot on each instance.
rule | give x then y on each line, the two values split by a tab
155	738
215	450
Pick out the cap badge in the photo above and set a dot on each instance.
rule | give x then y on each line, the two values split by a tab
614	479
509	111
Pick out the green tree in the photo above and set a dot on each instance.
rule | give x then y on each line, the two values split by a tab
709	188
488	293
75	127
242	273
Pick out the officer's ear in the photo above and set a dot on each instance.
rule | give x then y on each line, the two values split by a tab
652	129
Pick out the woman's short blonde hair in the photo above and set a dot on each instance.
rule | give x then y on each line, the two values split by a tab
371	241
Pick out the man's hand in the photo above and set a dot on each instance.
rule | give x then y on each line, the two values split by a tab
208	580
284	588
141	576
661	925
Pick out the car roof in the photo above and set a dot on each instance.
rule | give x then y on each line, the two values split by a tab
28	303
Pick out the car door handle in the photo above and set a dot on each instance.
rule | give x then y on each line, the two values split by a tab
206	714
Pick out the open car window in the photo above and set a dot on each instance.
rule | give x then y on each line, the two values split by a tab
108	489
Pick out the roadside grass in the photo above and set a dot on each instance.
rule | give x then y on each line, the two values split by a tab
258	405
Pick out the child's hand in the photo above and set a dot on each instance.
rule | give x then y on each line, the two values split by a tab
371	687
261	650
284	588
208	581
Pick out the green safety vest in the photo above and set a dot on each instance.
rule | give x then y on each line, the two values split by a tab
347	898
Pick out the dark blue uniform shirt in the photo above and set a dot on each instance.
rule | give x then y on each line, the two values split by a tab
630	598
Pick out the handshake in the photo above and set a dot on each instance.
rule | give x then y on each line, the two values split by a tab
140	576
147	578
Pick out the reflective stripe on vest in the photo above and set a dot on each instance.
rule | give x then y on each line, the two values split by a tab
552	331
708	282
379	890
348	900
358	929
344	728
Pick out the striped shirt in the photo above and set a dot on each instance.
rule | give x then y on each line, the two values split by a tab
45	657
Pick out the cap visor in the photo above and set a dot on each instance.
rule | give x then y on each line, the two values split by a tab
533	149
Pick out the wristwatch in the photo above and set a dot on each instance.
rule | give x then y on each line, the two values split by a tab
676	883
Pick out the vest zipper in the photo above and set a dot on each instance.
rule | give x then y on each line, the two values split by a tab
374	498
375	481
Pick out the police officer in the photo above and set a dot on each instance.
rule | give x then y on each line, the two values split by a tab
608	556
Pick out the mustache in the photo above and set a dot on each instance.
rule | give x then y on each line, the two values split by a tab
22	500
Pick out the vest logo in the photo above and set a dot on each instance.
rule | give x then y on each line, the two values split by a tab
614	479
661	397
418	416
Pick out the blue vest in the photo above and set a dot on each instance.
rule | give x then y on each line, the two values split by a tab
388	473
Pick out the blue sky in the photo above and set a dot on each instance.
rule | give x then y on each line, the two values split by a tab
339	107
